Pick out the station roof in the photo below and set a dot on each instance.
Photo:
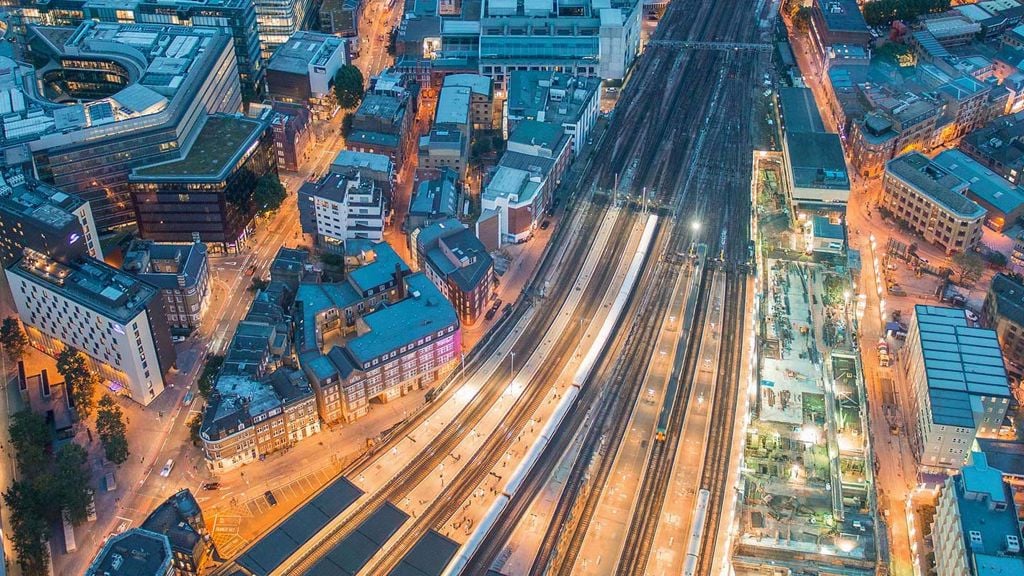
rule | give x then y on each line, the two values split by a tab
960	362
270	551
428	557
349	557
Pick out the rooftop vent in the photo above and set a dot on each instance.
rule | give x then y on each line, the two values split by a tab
975	538
1012	544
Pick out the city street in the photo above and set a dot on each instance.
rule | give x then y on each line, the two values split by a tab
894	461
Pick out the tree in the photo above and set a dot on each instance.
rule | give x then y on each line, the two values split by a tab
31	437
208	379
111	429
269	193
997	259
13	338
28	528
802	18
348	86
886	11
71	482
195	424
79	381
969	266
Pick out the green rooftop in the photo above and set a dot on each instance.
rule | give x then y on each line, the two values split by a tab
222	139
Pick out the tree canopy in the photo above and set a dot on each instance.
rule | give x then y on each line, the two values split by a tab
882	12
49	483
112	431
269	193
13	338
349	86
79	381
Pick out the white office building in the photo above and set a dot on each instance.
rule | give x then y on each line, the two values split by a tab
959	386
340	207
115	319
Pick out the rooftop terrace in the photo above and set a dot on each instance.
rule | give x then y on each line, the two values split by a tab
215	150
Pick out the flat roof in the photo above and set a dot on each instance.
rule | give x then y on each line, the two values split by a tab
362	160
453	105
936	182
164	63
408	320
824	228
428	557
799	110
507	182
302	50
349	556
817	160
436	196
39	202
223	140
960	362
135	551
112	293
477	83
843	16
988	186
276	546
984	528
535	133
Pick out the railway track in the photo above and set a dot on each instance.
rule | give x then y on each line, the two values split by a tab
455	431
649	141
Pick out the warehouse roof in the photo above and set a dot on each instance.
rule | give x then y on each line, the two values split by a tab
960	362
983	183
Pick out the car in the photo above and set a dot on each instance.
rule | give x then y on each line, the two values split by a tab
270	498
166	470
177	339
211	485
490	314
544	225
971	315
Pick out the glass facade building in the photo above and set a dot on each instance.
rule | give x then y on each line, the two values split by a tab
177	77
209	190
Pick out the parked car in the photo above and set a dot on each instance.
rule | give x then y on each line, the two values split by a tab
270	498
545	224
211	485
166	470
